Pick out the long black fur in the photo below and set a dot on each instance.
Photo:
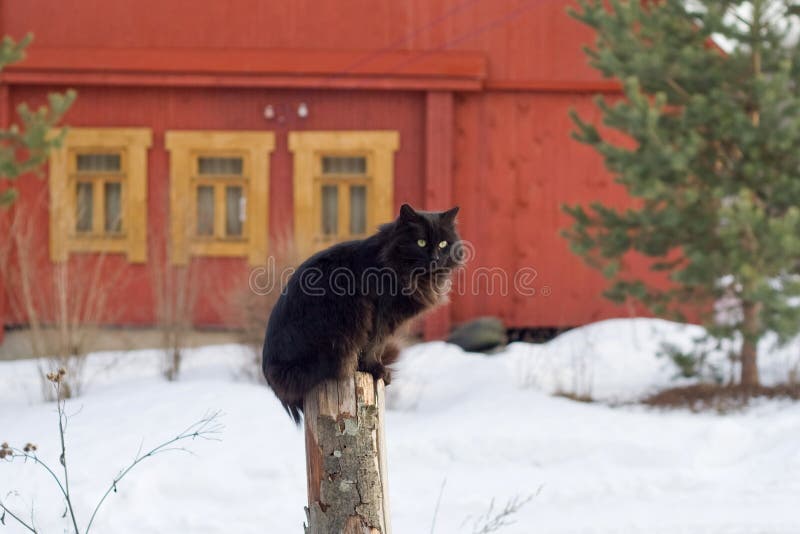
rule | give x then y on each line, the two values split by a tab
334	317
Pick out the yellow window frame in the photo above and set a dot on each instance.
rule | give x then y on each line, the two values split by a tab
308	149
131	144
186	148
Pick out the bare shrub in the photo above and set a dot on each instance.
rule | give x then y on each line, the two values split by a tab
574	382
793	368
794	374
582	374
208	428
176	288
62	304
494	519
253	301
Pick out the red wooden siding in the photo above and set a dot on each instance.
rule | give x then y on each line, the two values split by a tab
439	126
4	122
516	167
237	109
523	39
479	91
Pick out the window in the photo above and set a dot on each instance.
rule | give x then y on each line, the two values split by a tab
98	191
220	191
219	194
343	185
97	178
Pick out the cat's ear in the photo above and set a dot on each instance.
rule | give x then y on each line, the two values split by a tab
407	213
449	216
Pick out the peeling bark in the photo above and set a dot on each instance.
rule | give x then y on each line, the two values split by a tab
345	457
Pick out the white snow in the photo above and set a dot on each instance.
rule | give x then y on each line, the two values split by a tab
485	424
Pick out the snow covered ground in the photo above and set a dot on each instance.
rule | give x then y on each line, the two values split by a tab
485	425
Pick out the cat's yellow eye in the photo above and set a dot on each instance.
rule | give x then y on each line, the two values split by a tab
442	244
421	242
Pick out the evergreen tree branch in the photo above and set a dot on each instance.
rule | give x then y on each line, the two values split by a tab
34	138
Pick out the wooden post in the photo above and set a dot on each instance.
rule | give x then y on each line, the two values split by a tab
346	457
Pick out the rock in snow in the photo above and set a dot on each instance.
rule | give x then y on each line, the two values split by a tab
479	335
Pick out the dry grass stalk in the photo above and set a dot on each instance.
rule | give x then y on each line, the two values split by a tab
255	297
62	304
176	289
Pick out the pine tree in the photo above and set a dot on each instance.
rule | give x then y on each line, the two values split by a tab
25	148
712	162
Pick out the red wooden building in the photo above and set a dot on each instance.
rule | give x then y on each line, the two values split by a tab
206	132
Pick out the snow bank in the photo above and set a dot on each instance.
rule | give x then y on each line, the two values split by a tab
486	425
616	360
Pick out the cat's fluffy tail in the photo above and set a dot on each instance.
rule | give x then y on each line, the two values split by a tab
391	353
290	383
295	411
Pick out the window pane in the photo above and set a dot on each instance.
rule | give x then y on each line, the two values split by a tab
205	210
113	205
358	209
84	207
99	163
344	165
234	214
211	165
330	209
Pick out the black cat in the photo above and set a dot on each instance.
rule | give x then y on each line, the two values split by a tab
340	308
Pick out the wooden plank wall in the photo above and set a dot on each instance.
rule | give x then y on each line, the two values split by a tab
524	40
228	109
516	166
513	163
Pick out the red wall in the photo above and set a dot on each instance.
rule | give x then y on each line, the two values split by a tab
516	167
231	109
523	39
513	162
